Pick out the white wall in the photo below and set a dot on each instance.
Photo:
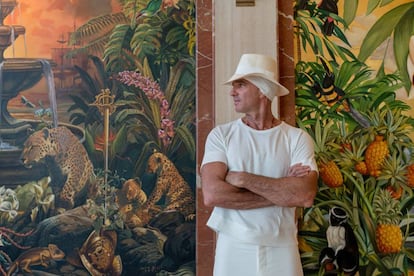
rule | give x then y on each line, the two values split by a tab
239	30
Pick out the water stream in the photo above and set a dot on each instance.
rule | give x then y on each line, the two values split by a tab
1	94
1	88
12	38
3	145
48	73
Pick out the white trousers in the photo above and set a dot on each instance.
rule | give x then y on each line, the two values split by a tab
244	259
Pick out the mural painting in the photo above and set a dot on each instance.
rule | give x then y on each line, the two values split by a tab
97	137
354	83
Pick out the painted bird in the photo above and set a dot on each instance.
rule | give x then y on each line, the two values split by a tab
332	7
342	253
152	8
330	94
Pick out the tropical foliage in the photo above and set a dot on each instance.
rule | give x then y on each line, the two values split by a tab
141	67
361	130
149	45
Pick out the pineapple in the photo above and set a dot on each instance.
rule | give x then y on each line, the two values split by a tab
330	174
410	175
375	155
352	157
361	167
324	138
388	235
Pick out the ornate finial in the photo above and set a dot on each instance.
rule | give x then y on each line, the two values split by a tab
105	101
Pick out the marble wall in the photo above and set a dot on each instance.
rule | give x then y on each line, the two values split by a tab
206	102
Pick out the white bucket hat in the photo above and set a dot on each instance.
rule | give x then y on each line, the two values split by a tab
252	67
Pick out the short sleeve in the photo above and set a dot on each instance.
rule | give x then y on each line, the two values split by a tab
215	148
304	151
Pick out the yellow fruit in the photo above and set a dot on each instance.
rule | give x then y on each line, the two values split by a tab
388	238
330	174
361	167
410	175
375	155
388	235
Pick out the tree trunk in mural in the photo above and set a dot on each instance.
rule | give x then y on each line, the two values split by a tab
109	187
352	82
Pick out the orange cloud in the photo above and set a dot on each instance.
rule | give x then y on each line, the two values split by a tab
47	21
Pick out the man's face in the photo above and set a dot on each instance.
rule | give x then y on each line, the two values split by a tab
246	96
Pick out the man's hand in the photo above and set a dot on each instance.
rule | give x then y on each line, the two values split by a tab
297	189
218	192
235	178
298	170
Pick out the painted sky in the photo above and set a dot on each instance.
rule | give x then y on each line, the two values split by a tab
46	21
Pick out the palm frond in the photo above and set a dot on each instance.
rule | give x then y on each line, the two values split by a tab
98	25
118	54
146	40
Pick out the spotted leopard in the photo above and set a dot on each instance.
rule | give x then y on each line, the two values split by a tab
68	163
170	185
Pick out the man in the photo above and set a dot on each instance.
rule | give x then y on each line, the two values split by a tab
255	171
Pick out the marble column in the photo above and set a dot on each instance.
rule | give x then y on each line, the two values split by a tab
205	104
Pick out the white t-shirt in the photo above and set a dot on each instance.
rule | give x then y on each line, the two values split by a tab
264	152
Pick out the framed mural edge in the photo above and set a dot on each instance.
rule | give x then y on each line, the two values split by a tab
97	137
354	83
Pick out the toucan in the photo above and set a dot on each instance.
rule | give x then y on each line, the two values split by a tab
332	7
328	93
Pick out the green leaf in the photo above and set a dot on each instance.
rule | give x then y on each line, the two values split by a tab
410	253
383	97
125	114
340	34
92	87
98	25
89	142
155	107
350	10
116	53
187	138
385	2
146	40
381	30
101	72
402	34
372	4
176	36
79	103
77	118
120	142
379	264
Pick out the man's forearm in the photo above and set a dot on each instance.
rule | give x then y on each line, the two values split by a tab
285	191
232	197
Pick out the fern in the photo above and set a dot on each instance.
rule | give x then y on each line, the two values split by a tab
118	54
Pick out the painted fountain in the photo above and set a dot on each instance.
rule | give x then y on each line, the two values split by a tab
17	75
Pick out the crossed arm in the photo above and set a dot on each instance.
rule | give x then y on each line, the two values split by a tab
242	190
